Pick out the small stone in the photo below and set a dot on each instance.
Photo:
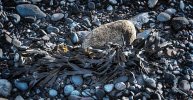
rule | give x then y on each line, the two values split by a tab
46	38
86	92
19	97
108	87
170	11
74	97
120	86
21	85
52	29
1	25
86	22
57	16
113	2
184	85
30	10
150	82
152	3
100	93
169	77
144	34
68	89
77	80
91	5
71	0
121	79
30	19
96	21
162	17
1	53
75	92
140	19
182	5
74	9
179	23
5	87
68	21
16	57
16	18
110	8
53	93
35	1
16	42
8	38
74	38
191	85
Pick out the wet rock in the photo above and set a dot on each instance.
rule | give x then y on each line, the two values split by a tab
169	77
110	8
170	11
113	2
140	80
68	89
162	17
120	86
16	42
19	97
30	10
152	3
86	21
184	85
71	0
16	18
77	80
86	92
35	1
144	34
1	25
53	29
30	19
179	23
16	57
46	38
132	78
74	38
182	5
96	21
53	93
1	53
74	9
8	38
107	33
100	93
140	19
57	16
150	82
121	79
23	86
74	97
191	85
91	5
108	87
5	87
75	92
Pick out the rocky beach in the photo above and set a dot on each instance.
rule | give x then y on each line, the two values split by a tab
96	49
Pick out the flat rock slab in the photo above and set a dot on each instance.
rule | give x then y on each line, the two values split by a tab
111	32
26	10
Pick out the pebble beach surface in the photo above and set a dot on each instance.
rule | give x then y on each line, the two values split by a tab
96	49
